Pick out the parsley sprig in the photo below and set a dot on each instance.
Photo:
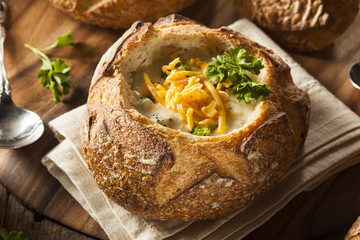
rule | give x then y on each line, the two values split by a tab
63	40
54	74
12	235
233	66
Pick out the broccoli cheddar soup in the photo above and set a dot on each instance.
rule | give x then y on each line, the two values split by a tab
203	96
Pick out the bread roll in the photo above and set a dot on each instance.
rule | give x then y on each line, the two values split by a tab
300	25
119	13
159	172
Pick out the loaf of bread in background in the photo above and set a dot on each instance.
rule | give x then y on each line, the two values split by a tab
119	13
300	25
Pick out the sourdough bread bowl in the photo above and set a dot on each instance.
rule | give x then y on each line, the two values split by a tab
160	172
354	231
300	25
119	13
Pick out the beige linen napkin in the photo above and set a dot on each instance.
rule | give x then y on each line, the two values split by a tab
332	145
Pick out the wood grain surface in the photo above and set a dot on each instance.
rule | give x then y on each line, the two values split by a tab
324	213
18	217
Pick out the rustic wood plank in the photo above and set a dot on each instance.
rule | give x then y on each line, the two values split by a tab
35	225
4	195
44	194
70	214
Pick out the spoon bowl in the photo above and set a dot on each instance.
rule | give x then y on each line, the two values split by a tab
354	75
18	127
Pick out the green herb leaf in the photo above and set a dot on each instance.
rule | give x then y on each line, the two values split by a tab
250	90
54	75
12	235
3	234
233	66
63	40
202	130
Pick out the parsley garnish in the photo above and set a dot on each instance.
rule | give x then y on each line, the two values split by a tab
63	40
12	235
232	66
250	90
54	75
202	130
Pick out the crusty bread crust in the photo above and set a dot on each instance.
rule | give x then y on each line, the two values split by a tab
354	231
162	173
300	25
119	13
285	15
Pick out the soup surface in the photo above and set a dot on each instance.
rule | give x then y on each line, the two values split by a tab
238	114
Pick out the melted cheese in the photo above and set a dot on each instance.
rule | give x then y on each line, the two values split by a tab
239	115
186	98
189	93
222	114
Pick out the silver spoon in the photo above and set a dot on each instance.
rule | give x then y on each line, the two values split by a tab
354	75
18	127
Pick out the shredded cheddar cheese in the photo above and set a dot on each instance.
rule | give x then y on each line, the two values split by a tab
190	94
152	89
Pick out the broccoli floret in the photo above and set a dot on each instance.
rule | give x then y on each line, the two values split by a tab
202	130
183	66
163	75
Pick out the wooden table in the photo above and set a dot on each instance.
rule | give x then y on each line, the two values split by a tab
327	212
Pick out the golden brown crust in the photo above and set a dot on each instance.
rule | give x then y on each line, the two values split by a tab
162	173
119	13
354	231
300	25
289	15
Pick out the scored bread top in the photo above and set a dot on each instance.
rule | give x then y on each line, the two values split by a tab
300	25
119	13
294	15
163	173
291	14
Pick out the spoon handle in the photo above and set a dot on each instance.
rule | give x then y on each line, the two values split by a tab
5	93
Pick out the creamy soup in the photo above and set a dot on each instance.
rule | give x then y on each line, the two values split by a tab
238	114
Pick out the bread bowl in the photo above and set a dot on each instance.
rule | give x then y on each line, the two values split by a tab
119	14
158	172
300	25
354	231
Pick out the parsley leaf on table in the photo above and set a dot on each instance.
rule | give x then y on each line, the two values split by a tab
63	40
233	66
54	74
12	235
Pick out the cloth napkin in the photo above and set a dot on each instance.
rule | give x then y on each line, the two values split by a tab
331	146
